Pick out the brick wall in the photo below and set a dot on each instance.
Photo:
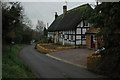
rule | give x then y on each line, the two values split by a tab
88	41
89	33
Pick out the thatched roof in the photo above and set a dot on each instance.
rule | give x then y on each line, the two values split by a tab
70	20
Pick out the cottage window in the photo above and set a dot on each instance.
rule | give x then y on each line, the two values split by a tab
71	37
83	37
94	38
78	30
60	35
67	36
78	37
85	23
83	31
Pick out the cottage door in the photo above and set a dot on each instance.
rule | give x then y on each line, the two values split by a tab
91	41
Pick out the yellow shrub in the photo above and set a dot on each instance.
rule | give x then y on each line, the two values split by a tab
45	50
41	48
92	59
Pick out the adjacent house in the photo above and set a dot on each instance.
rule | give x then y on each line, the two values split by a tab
91	40
71	26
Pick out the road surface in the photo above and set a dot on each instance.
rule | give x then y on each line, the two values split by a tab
46	67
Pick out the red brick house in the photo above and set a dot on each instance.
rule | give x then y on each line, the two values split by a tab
91	40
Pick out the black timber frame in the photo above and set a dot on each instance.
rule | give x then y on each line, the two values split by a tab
81	34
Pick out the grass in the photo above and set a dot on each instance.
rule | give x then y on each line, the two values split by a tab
12	65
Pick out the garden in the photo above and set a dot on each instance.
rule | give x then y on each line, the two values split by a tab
51	47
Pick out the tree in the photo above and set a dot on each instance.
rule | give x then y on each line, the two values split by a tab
106	17
40	28
45	32
12	16
16	25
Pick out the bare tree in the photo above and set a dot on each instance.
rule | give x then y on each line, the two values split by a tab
40	27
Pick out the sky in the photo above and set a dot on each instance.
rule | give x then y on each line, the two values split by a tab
45	11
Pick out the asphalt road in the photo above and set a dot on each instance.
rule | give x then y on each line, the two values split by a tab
46	67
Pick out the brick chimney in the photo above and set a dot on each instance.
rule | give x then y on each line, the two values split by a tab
64	9
56	15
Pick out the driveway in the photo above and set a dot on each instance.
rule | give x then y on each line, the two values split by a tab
75	56
46	67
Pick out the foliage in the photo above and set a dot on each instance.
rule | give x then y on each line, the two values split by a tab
106	17
11	18
16	26
12	65
50	40
44	40
92	61
45	32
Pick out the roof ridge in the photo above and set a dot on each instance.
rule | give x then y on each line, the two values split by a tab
71	19
75	8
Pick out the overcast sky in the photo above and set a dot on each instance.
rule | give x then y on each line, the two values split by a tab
45	11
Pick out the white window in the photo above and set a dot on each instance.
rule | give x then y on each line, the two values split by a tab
83	31
78	42
73	32
78	30
83	42
78	37
94	38
65	36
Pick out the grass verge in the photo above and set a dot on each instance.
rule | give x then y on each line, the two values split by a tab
12	65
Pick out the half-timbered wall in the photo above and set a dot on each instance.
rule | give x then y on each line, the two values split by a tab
50	34
69	36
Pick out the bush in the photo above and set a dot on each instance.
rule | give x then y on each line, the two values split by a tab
50	40
105	65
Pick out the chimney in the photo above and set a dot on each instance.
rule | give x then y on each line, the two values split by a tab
56	15
64	9
97	2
